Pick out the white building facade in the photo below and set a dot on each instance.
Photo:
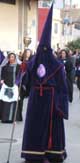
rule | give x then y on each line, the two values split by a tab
17	21
56	28
20	19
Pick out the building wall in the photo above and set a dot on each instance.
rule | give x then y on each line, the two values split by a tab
16	21
8	26
56	25
32	23
56	28
70	33
42	15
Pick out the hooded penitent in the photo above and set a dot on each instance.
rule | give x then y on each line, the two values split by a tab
48	102
44	54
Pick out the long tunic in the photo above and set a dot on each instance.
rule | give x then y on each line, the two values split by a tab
8	93
44	133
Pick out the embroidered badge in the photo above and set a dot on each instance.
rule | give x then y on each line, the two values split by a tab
41	71
79	68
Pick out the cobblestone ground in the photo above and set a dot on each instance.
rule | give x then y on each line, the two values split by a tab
72	129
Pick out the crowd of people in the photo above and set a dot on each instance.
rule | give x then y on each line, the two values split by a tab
71	61
11	66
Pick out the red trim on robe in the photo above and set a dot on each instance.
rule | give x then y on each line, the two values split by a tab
52	108
42	89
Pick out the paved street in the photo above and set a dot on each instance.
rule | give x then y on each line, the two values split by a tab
72	127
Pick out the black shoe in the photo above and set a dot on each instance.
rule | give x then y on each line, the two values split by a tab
46	161
26	161
57	160
65	155
33	161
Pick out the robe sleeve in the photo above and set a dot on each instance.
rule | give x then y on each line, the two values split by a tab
3	73
25	86
61	94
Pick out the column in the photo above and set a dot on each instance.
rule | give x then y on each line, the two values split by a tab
20	24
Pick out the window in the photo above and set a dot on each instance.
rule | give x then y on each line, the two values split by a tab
67	29
70	32
55	28
8	1
63	30
45	3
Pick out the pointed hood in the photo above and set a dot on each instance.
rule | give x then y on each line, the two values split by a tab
44	62
45	40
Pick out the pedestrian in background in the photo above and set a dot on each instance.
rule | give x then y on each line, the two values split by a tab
66	60
9	90
27	55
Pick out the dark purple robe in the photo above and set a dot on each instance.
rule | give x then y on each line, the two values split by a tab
44	134
1	56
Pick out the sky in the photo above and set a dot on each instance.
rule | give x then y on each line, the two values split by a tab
59	3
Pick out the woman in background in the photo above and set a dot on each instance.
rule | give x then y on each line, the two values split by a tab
68	69
27	55
9	90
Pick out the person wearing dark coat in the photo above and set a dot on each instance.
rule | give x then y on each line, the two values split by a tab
44	133
78	71
27	55
68	66
9	90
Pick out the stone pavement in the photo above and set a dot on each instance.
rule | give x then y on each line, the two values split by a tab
72	129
